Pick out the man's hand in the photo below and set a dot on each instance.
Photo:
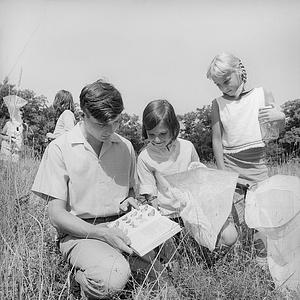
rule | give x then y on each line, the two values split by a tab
64	221
116	238
129	202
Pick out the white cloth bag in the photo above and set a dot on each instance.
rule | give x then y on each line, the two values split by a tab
205	197
273	208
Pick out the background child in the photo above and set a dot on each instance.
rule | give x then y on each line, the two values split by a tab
166	154
11	140
11	136
64	114
237	118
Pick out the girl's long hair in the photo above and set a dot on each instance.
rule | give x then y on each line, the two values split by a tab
63	100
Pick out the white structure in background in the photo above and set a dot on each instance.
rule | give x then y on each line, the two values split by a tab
273	208
12	132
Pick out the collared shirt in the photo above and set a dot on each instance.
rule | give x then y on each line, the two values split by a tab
177	158
92	186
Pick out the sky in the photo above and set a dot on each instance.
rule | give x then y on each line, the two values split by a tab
149	49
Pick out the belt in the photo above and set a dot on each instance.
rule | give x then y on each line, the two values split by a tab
99	220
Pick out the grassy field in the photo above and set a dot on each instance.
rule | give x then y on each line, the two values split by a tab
31	267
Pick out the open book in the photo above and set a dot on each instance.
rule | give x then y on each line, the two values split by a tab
146	228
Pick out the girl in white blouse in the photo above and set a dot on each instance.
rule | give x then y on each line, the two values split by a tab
64	107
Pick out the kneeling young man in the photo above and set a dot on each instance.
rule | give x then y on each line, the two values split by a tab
87	175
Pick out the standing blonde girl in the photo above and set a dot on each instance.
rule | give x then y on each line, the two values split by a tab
240	118
11	136
237	117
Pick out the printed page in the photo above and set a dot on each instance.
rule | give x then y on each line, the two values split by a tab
146	228
153	234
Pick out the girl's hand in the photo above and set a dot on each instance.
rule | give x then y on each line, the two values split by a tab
195	165
269	114
153	202
129	202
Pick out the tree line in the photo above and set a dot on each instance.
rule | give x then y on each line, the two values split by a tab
39	116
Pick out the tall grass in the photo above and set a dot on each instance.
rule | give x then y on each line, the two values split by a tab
31	267
29	262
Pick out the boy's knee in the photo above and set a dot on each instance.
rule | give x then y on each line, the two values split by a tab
229	235
98	282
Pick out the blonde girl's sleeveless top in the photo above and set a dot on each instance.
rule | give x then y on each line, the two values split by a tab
241	129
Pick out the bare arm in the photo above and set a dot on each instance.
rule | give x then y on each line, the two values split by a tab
217	135
65	222
272	113
50	136
147	183
3	135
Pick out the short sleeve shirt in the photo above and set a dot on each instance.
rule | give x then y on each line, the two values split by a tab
152	159
92	186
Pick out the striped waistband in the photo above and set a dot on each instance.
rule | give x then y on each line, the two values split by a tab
243	147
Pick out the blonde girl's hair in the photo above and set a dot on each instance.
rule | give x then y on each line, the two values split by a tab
225	64
63	100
